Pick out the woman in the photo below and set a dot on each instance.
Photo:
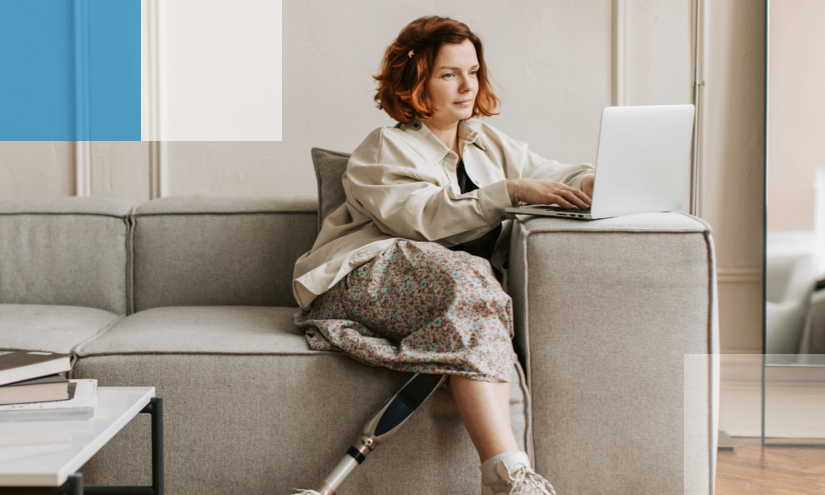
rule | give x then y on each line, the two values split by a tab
409	272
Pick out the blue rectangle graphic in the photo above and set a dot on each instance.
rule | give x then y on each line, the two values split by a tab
70	70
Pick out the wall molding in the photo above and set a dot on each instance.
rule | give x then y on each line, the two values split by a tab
82	149
739	275
699	44
157	171
82	168
155	75
621	53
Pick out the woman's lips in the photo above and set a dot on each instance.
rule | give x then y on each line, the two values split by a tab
463	103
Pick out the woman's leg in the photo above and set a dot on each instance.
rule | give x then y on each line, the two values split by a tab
485	409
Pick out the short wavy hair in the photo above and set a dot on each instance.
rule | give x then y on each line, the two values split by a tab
402	83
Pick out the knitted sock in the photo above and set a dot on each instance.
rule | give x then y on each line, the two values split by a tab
488	468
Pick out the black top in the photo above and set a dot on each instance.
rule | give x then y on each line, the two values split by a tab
484	245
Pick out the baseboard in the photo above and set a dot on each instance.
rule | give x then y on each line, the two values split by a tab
794	406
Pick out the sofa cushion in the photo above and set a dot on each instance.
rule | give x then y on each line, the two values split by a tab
204	329
249	408
35	327
66	251
214	251
329	168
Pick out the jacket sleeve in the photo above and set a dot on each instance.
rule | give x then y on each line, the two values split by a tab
537	167
404	203
519	161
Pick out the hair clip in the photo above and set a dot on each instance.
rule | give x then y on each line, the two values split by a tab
411	53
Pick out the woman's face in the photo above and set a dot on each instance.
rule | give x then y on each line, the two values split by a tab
453	85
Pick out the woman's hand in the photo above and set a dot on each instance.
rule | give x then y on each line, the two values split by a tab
543	192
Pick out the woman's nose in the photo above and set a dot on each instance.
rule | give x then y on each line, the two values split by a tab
467	83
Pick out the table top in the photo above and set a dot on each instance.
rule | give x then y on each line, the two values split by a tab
116	406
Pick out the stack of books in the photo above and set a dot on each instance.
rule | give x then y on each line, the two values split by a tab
34	387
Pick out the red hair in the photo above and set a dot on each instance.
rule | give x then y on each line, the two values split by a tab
402	83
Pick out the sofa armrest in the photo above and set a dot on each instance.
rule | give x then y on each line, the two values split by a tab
606	314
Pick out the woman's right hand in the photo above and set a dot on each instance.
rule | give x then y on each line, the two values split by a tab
544	192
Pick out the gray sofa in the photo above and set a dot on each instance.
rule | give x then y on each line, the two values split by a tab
192	295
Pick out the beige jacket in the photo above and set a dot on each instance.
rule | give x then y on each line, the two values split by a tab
401	184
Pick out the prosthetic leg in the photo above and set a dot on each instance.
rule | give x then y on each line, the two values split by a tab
380	427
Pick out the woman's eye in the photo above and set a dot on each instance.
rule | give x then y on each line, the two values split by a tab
475	72
448	74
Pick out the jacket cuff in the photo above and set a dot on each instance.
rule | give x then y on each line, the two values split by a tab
577	182
492	200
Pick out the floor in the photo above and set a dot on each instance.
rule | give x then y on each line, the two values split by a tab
756	470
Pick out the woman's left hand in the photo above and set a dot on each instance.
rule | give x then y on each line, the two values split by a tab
587	185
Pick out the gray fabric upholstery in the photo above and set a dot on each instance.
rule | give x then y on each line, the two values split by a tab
207	251
112	207
249	408
209	329
36	327
67	251
329	168
606	315
612	307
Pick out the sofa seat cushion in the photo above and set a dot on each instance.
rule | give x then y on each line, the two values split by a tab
249	408
36	327
203	330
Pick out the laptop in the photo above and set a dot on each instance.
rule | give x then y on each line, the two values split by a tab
642	165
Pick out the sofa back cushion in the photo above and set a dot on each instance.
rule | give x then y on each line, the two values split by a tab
65	251
219	251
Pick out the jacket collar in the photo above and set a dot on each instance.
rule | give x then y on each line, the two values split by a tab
434	149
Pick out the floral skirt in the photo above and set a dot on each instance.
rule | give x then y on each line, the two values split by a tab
418	307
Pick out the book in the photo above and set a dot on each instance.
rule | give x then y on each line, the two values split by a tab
81	406
25	365
43	389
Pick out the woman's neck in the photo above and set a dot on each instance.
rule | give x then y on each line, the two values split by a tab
447	134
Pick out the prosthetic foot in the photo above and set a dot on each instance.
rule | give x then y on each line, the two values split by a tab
380	427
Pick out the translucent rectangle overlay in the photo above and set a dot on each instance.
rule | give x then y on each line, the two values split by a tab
777	398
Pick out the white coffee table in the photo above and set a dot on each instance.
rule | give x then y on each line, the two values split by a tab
56	472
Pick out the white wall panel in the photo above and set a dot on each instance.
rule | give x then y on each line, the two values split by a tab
661	52
553	61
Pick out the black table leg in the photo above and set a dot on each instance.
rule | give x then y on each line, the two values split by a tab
74	484
155	408
156	411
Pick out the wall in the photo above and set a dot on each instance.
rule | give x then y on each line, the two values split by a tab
796	112
732	163
552	62
556	64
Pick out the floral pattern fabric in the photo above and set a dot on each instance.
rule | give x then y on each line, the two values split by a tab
418	307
